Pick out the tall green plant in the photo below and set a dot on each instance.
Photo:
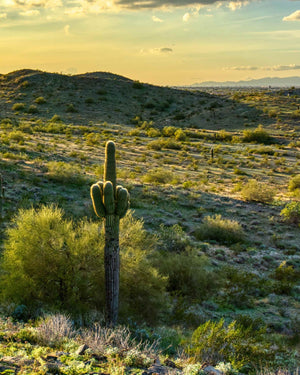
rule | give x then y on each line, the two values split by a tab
111	203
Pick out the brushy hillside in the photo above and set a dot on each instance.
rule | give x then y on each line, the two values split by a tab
209	248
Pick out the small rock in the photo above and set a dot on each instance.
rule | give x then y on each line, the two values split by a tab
81	349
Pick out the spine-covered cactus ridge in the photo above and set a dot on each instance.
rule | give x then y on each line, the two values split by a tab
111	203
109	199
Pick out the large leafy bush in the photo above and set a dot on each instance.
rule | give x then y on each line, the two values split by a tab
53	263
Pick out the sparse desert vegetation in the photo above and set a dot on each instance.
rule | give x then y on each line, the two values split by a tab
209	247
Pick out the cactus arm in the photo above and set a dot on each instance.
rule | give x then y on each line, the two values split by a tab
97	200
122	202
110	164
109	201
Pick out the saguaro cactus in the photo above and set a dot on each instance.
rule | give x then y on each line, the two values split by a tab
111	203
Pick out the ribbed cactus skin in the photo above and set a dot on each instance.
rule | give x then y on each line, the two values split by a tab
111	203
110	164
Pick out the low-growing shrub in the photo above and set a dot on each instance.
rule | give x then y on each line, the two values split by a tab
255	191
291	213
32	109
18	107
294	185
40	100
159	176
259	135
65	172
286	277
219	229
172	239
215	342
188	274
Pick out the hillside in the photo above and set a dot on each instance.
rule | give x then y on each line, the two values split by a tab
115	99
209	174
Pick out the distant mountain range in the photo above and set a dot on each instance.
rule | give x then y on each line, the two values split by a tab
262	82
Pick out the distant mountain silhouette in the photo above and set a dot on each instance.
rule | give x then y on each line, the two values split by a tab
262	82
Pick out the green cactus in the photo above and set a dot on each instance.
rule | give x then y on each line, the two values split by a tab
110	202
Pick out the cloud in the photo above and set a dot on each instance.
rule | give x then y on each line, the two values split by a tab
151	4
67	29
156	19
186	17
293	17
156	51
32	3
241	68
75	12
30	13
276	68
234	5
286	67
3	16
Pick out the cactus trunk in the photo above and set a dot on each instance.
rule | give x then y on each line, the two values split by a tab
111	203
112	269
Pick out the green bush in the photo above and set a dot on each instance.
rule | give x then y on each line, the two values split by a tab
223	230
65	172
18	107
169	131
32	109
255	191
294	185
159	176
286	277
244	348
259	135
188	274
40	100
291	212
53	263
16	136
172	239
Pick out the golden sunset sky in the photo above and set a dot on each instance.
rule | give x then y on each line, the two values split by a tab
165	42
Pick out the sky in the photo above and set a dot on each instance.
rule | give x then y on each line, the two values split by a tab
164	42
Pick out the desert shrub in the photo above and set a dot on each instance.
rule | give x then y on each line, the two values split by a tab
223	230
137	85
89	101
17	136
65	172
259	135
255	191
286	277
217	342
294	185
92	139
169	131
180	135
32	109
172	239
51	262
56	118
45	260
70	108
18	107
40	100
142	289
239	287
291	212
54	330
188	274
152	132
159	176
295	114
